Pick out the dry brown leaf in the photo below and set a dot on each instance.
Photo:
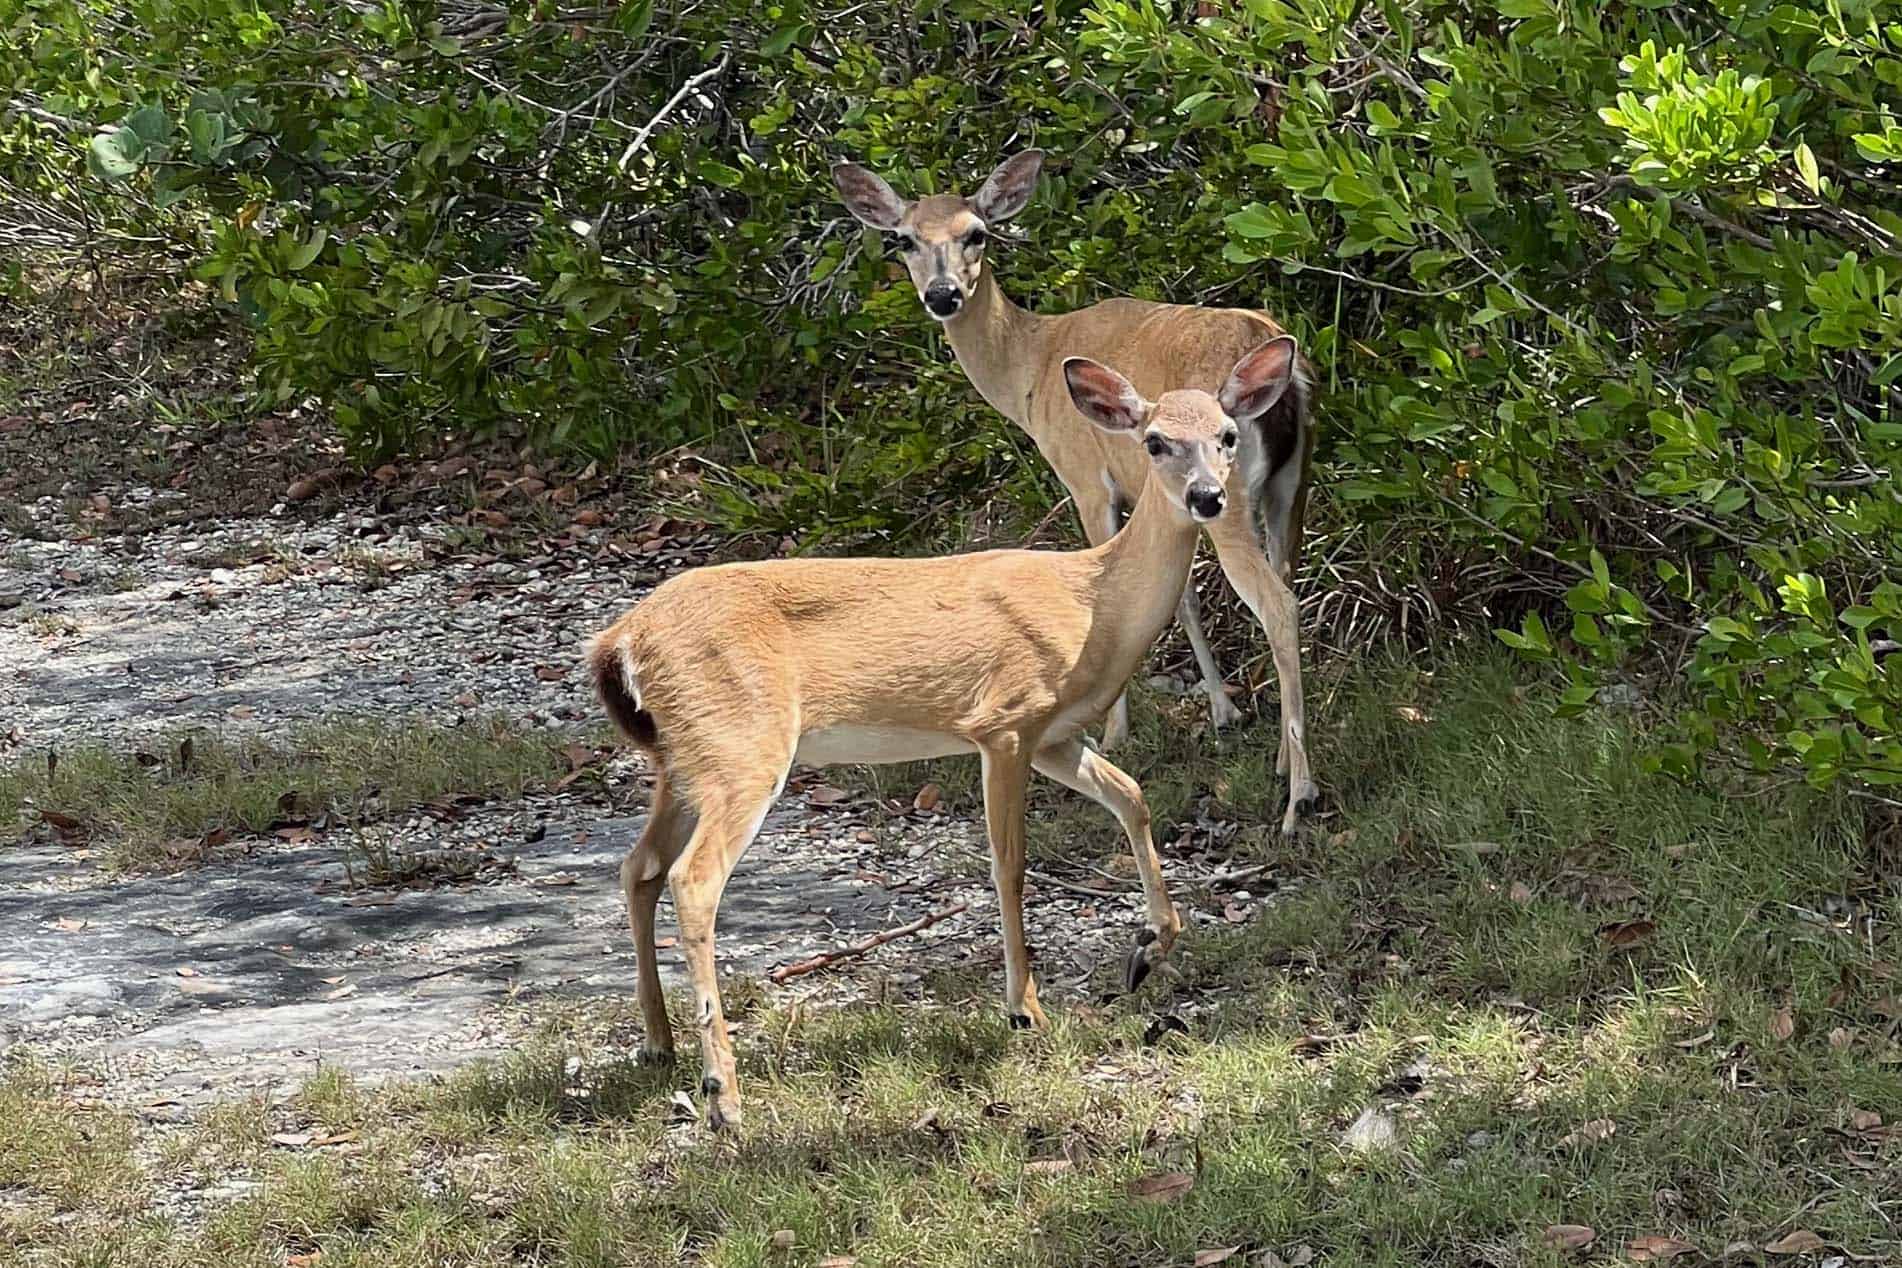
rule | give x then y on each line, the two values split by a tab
1862	1120
928	798
334	1138
1569	1236
310	1260
291	1140
1841	1037
1215	1255
551	673
1408	713
663	943
1620	934
342	992
1520	893
1656	1248
331	981
1799	1242
1782	1024
1590	1133
837	1261
67	924
1166	1186
826	795
782	1239
186	970
302	490
589	519
1048	1166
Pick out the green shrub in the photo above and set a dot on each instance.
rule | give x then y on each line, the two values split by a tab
1608	297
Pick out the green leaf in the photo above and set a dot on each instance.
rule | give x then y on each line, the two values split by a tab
150	123
635	19
1806	168
1250	222
305	252
721	174
1381	114
115	155
781	40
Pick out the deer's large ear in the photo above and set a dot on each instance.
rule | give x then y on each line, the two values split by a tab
1104	396
1009	188
867	196
1259	379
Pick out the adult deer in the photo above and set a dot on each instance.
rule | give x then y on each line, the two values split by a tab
727	675
1014	358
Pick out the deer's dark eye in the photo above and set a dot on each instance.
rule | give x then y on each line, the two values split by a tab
1155	445
975	239
906	243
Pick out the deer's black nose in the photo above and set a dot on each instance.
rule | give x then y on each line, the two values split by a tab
943	299
1206	501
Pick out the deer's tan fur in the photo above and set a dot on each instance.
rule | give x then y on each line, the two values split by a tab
728	675
1014	358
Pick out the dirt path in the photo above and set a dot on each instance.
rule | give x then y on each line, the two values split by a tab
246	972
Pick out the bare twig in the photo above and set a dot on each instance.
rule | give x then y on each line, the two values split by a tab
640	138
827	958
1087	891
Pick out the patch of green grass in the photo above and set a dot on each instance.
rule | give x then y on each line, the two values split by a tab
158	805
42	624
1576	992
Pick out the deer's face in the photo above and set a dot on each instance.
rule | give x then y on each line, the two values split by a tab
941	237
1191	445
1191	437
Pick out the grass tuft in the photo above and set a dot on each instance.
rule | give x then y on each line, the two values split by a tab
165	803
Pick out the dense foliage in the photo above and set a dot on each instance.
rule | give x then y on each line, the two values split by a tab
1608	296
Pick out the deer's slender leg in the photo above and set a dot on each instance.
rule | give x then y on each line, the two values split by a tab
643	872
1075	766
730	817
1222	710
1261	587
1006	771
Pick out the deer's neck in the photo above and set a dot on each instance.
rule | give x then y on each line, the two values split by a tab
1143	570
1000	347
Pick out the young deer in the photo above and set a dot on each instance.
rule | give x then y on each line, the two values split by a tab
1013	357
727	675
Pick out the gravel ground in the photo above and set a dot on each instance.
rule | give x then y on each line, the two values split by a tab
242	974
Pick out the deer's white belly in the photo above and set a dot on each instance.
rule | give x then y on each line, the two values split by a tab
875	745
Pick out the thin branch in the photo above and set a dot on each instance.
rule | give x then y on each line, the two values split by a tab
1691	209
640	138
824	959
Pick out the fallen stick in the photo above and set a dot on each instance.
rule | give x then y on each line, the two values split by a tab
802	967
1088	891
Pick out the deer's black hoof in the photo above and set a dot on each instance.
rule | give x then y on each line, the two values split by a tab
1020	1021
1137	966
